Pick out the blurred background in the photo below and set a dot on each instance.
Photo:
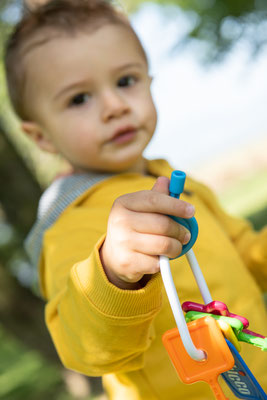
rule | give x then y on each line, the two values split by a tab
208	60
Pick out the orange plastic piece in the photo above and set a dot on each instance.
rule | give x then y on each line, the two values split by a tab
226	330
207	336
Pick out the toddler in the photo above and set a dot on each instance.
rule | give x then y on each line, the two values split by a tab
78	78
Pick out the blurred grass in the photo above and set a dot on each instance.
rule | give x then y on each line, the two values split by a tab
247	198
24	374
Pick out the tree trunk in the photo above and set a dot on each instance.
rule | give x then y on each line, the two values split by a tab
21	312
19	190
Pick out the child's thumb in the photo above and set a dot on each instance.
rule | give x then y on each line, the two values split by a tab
162	185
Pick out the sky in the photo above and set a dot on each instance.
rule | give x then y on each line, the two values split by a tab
203	111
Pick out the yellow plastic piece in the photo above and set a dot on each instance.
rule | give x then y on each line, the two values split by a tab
229	334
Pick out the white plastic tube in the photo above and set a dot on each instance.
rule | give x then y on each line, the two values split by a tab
177	311
202	285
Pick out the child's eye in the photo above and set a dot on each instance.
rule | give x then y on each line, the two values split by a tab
126	81
79	99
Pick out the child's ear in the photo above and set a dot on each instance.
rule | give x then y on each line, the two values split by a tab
34	131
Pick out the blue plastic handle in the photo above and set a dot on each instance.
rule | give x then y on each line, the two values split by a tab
176	187
241	380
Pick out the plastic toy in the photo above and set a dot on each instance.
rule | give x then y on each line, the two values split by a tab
252	339
235	324
218	308
204	358
241	380
214	307
176	188
208	336
229	334
253	333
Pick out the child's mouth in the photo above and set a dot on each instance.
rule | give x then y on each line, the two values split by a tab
124	135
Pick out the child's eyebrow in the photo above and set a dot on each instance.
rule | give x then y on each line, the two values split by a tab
128	65
69	88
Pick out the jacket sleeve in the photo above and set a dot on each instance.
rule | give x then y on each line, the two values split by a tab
251	245
96	327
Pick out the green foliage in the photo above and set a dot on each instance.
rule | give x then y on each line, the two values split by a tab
220	24
259	220
247	197
25	375
5	26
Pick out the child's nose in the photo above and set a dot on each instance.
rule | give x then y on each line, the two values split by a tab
114	105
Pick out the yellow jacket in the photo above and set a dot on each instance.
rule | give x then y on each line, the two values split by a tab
99	329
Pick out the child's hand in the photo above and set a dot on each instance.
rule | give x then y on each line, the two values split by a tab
139	230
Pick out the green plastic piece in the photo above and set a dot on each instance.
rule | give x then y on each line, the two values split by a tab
255	340
237	326
235	323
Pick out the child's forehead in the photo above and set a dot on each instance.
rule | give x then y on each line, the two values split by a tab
57	60
45	36
99	36
68	45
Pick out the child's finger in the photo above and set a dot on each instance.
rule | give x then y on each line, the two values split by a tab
156	202
156	245
159	224
161	185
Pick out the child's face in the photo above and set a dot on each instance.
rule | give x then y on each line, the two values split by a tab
90	97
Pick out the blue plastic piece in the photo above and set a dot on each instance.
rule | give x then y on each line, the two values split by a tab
177	183
241	380
176	187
